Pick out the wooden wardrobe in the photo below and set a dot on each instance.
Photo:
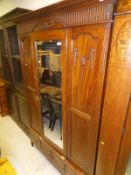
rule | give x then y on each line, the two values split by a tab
64	51
75	57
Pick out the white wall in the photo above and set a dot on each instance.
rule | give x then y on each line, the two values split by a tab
8	5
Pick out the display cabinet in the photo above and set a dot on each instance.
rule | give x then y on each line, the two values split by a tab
5	61
11	68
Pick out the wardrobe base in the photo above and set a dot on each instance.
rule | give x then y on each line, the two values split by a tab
65	166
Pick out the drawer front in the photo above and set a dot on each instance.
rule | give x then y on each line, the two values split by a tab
35	138
59	161
72	169
46	149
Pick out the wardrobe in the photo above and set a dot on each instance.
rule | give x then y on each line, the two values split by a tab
63	50
75	62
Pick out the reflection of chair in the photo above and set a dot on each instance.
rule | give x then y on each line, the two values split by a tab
47	108
57	115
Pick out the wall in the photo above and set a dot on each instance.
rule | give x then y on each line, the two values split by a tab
8	5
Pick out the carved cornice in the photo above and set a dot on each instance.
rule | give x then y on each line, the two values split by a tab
95	13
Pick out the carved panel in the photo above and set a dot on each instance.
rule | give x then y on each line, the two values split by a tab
87	54
48	25
121	51
124	6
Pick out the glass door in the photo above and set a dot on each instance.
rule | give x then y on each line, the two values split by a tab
15	56
5	61
50	58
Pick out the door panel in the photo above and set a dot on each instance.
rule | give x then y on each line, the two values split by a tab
34	103
87	76
23	110
49	59
13	104
26	61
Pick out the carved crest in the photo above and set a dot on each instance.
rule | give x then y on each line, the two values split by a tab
49	25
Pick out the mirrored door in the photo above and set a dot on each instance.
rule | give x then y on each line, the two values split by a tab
50	60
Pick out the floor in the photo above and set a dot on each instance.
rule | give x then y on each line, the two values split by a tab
55	135
27	160
15	145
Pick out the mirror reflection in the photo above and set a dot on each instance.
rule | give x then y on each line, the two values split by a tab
49	64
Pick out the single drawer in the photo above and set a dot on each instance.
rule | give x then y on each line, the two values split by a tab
71	169
46	149
35	138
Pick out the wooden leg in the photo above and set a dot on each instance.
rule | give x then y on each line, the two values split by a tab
32	144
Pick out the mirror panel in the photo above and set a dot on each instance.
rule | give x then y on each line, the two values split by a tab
50	73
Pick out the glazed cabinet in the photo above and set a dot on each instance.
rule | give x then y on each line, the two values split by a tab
11	68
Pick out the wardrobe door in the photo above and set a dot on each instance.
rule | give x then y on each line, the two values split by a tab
23	110
34	107
87	75
29	80
26	61
49	53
